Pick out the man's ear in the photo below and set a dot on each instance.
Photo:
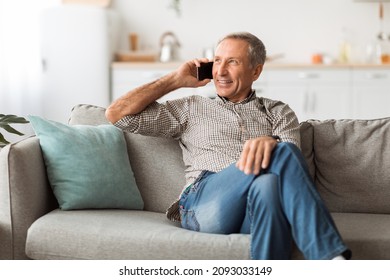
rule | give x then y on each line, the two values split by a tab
257	72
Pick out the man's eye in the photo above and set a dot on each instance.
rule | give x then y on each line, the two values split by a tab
217	60
233	62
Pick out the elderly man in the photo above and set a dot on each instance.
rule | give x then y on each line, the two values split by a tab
244	169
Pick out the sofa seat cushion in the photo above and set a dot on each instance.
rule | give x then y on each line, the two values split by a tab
367	235
122	234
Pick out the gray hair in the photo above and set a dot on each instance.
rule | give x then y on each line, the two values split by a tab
256	50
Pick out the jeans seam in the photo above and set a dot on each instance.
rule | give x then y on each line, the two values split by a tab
249	205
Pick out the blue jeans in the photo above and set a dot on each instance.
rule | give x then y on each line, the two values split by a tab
277	207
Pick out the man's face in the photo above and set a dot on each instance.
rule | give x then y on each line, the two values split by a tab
232	71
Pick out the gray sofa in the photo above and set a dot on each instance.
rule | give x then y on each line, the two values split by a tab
349	160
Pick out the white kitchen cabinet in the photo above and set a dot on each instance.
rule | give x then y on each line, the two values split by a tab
329	102
311	93
371	91
291	95
124	80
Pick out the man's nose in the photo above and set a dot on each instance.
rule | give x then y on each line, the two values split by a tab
222	69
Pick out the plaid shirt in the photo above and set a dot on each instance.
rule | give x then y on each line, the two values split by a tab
212	132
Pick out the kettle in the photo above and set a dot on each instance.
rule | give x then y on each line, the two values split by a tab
169	47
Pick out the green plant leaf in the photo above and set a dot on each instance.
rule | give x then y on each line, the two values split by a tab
10	129
7	119
3	142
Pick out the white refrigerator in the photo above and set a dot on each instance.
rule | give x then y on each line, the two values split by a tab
78	46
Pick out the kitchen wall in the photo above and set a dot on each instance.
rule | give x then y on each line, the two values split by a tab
296	28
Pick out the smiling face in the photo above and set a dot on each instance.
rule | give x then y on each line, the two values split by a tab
232	71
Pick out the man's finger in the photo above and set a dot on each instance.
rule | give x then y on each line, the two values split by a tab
266	156
254	154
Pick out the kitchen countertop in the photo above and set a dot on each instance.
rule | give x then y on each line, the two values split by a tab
173	65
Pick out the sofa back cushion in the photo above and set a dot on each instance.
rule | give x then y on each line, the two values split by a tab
156	162
307	130
158	169
352	160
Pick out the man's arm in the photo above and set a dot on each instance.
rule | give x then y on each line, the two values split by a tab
136	100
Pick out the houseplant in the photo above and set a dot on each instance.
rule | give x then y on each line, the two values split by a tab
175	5
5	121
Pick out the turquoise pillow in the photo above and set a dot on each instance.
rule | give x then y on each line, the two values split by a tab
87	166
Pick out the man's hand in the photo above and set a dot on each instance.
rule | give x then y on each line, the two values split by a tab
256	154
186	74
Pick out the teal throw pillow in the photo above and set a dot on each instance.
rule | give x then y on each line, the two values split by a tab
87	166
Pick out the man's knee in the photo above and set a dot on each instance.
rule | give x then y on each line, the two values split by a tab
264	189
287	147
286	151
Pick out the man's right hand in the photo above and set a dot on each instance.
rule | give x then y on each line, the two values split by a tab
256	154
186	74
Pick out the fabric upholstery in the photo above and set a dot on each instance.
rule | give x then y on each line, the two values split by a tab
5	213
306	130
122	234
352	159
88	115
158	169
87	166
366	234
25	195
148	235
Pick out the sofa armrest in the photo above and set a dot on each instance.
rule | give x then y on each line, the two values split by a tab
25	195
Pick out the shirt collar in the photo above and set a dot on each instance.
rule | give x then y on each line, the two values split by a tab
250	97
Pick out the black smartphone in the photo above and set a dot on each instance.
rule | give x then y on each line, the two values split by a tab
205	71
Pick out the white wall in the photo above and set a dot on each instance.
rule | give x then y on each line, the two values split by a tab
295	28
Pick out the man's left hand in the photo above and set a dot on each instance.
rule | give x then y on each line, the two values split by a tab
256	154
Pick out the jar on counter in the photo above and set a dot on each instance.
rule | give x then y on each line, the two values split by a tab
378	52
385	51
344	48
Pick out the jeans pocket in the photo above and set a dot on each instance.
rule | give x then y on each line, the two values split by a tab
192	188
188	220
